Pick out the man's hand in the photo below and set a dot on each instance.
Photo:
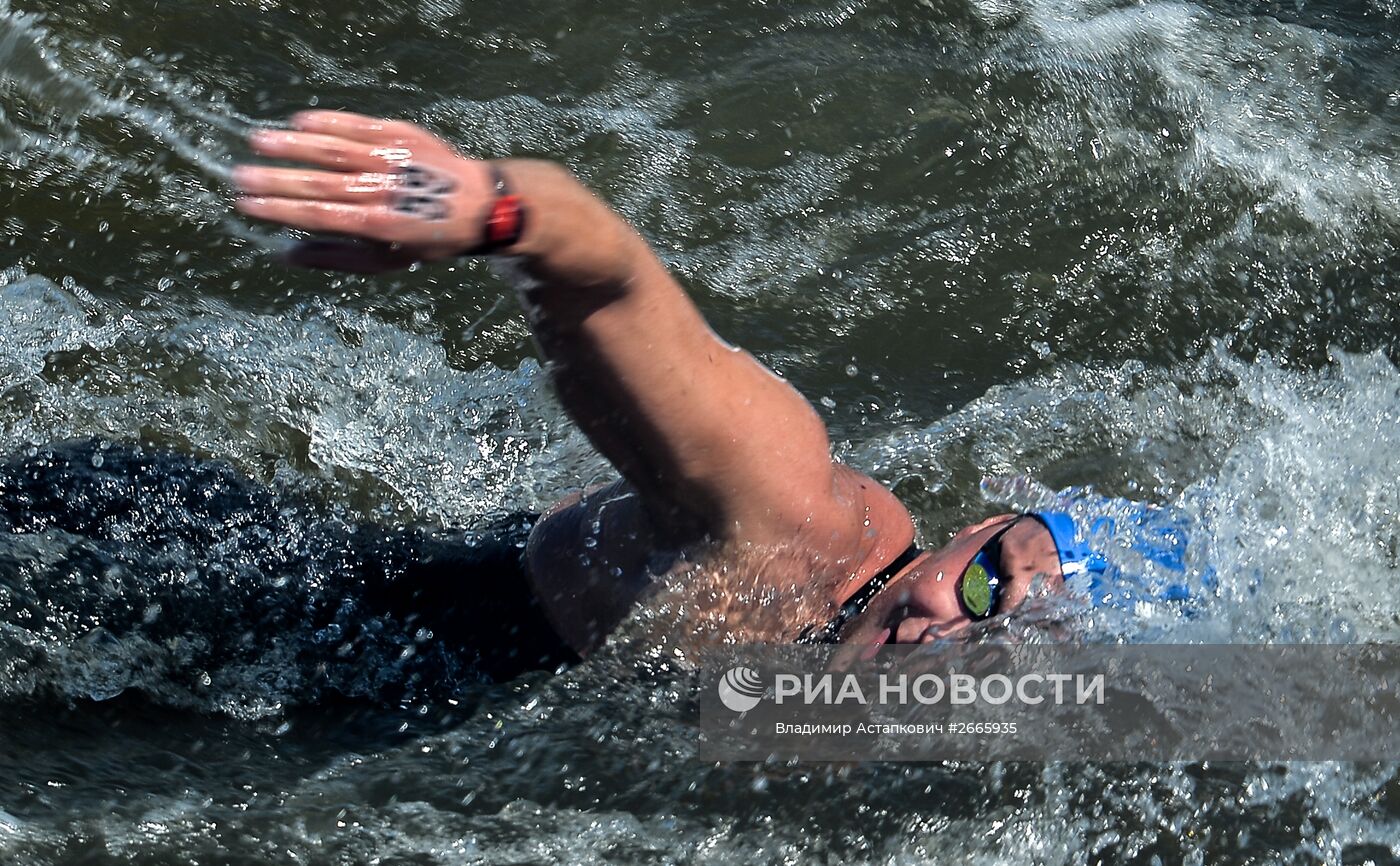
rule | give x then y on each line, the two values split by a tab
397	193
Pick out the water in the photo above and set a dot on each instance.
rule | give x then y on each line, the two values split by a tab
1144	247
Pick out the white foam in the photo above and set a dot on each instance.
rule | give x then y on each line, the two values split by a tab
380	410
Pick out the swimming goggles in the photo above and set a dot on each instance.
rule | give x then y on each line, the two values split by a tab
979	588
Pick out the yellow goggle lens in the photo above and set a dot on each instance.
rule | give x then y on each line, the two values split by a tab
977	590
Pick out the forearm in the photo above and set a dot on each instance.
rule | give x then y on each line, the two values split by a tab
572	242
614	328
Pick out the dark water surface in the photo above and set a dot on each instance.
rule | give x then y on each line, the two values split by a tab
1148	247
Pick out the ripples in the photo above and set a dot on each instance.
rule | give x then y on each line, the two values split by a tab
328	395
1146	247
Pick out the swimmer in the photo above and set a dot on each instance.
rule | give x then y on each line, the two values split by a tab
716	453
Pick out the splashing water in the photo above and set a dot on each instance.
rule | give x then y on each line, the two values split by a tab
1096	253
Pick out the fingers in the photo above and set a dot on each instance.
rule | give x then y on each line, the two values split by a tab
365	187
358	127
328	151
388	181
374	222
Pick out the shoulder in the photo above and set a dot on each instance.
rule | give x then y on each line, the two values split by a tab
876	529
594	553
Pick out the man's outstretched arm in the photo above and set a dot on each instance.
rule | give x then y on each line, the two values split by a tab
711	439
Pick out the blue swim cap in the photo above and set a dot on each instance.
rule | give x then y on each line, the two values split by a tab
1161	543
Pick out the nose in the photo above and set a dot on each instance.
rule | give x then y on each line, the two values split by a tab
913	629
923	629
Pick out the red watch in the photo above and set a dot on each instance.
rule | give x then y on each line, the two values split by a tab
505	221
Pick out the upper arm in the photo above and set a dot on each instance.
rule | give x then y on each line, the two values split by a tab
712	440
701	429
755	446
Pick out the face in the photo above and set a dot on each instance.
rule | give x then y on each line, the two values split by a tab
923	603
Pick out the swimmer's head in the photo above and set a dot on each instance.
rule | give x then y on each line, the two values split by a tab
946	590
